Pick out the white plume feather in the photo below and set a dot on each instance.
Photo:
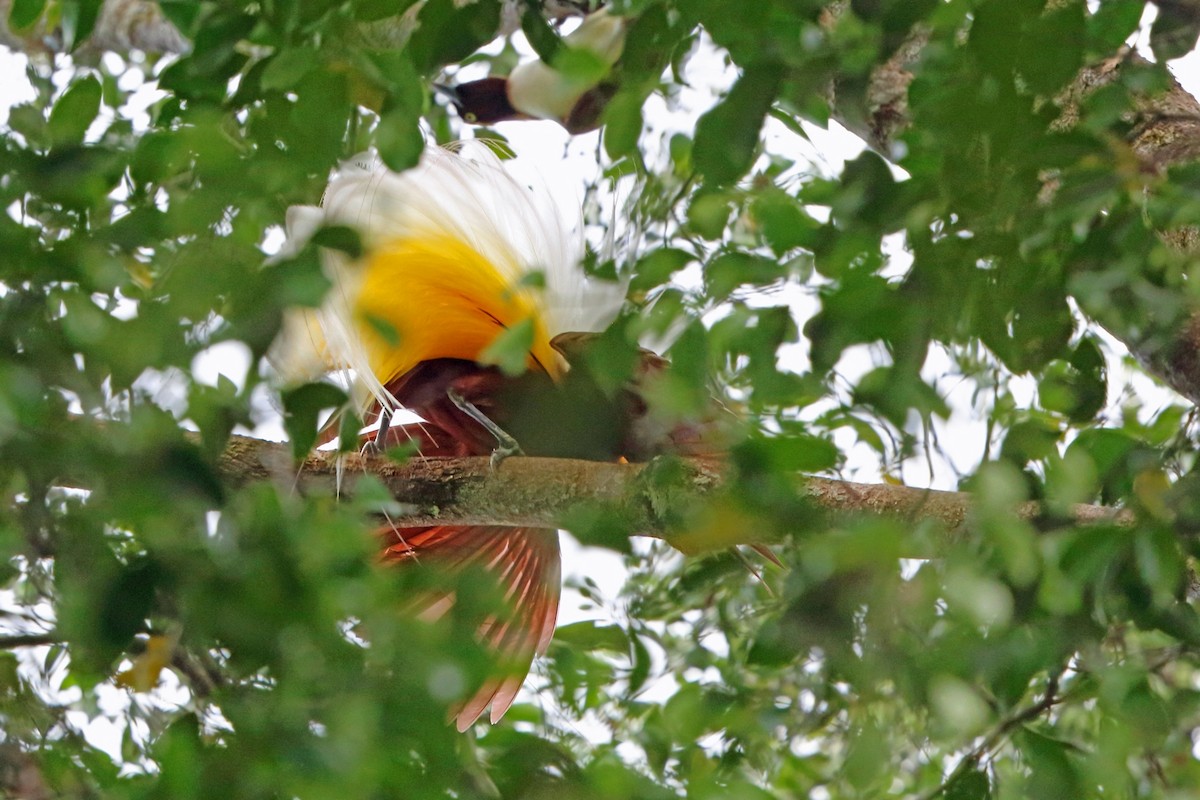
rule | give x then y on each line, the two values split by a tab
465	193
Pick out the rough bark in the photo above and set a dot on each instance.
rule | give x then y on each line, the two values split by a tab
21	775
124	25
121	25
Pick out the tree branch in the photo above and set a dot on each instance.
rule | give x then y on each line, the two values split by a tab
540	492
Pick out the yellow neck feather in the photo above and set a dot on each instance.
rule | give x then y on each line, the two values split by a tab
437	297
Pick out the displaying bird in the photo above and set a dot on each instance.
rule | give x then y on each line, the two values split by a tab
456	252
572	94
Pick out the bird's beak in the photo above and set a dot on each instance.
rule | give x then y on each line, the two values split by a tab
450	93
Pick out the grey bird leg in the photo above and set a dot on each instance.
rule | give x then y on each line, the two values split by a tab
375	446
506	445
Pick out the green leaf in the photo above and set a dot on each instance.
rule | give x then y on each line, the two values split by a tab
581	65
510	350
301	281
642	663
970	784
590	636
680	148
181	13
287	67
727	135
9	677
74	112
159	155
1031	440
78	19
372	10
450	31
179	754
1055	45
996	33
319	118
399	139
895	391
1160	564
1111	452
866	760
868	195
1174	32
622	124
29	120
542	38
1166	425
302	407
24	13
1077	389
1113	22
785	226
795	452
393	71
708	214
728	271
1052	772
382	328
657	267
127	602
772	646
184	471
1144	711
340	237
598	526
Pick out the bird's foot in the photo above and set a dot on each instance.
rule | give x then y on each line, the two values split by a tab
506	445
374	446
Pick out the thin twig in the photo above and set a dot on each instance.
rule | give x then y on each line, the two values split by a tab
1050	698
13	641
203	678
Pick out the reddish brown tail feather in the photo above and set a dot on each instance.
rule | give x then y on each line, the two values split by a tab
526	564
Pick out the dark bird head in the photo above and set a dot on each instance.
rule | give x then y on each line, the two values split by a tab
481	102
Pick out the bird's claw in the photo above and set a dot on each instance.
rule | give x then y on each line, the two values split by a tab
503	451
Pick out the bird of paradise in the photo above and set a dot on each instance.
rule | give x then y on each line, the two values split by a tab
456	252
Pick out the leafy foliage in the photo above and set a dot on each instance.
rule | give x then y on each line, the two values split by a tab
1006	659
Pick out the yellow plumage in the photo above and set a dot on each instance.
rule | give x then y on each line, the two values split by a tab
437	297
